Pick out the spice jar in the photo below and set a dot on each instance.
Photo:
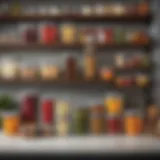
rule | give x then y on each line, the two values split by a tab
118	9
80	120
68	33
133	123
119	36
28	71
9	69
29	107
89	62
48	34
97	119
62	117
11	123
15	9
120	60
49	70
107	74
101	36
124	81
142	79
113	124
114	103
54	10
71	68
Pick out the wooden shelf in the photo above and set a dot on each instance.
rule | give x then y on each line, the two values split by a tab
77	17
71	46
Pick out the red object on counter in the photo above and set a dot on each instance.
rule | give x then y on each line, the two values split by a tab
114	125
49	34
109	36
29	108
47	111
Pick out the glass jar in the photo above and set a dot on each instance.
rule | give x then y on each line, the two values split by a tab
54	10
49	70
107	74
143	8
114	124
89	63
71	68
68	33
120	60
101	36
119	9
48	33
133	123
114	103
119	35
11	123
99	9
97	119
28	71
142	79
30	34
15	9
86	10
80	120
29	107
109	36
62	117
47	111
9	69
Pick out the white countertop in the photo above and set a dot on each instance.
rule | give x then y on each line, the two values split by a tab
85	144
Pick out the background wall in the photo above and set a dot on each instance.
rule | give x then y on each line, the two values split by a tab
82	94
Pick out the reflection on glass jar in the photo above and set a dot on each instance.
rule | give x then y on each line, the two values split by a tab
133	123
114	104
11	123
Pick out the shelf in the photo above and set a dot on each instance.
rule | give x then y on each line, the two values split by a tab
77	17
85	144
71	46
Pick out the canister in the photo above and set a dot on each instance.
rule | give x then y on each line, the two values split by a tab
133	122
80	118
113	124
97	119
114	103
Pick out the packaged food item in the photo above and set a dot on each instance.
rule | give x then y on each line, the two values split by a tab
15	9
118	9
29	107
109	36
120	60
134	124
107	74
101	36
142	80
68	33
30	33
48	34
11	123
143	8
119	36
9	69
80	120
114	124
89	62
114	103
71	68
108	8
86	10
49	70
99	9
62	113
28	71
97	119
54	10
124	81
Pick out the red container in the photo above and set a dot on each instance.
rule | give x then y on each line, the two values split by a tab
29	108
49	34
114	124
47	111
109	36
